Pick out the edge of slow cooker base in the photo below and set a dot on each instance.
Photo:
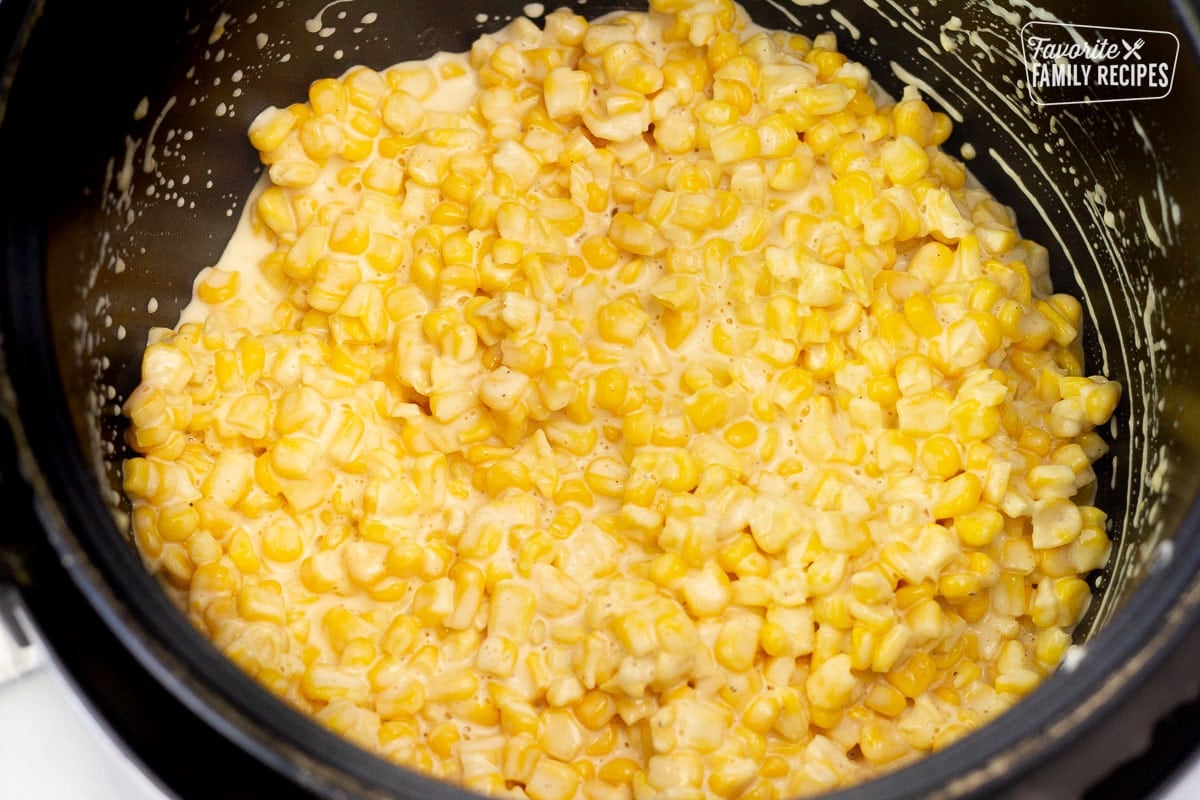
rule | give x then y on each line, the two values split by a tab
148	672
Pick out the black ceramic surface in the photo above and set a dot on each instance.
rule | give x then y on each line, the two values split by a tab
123	181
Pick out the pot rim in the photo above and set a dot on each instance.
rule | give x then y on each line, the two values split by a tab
1118	660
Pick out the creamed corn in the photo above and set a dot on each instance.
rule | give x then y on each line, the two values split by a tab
637	408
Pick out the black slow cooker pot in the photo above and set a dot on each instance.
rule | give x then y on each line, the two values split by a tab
123	163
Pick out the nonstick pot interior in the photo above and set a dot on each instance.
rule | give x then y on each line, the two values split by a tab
125	177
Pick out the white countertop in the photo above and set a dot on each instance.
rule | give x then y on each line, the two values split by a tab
51	748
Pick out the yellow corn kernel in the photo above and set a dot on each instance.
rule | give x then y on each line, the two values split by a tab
321	137
293	457
772	767
595	709
216	285
904	161
920	313
678	325
1057	521
145	531
442	739
599	252
606	476
565	92
229	479
241	552
886	700
1100	400
914	119
635	235
734	92
612	388
739	142
707	408
450	686
618	771
880	742
622	320
282	541
508	473
328	96
271	127
734	777
959	586
737	642
552	780
940	455
932	262
741	434
1074	595
915	676
972	422
1018	682
958	496
1050	647
852	193
979	527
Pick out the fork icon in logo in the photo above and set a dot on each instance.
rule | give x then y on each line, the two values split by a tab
1133	49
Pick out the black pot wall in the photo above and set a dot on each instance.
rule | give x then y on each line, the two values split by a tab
86	252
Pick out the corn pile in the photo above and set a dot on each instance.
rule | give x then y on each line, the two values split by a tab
629	409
